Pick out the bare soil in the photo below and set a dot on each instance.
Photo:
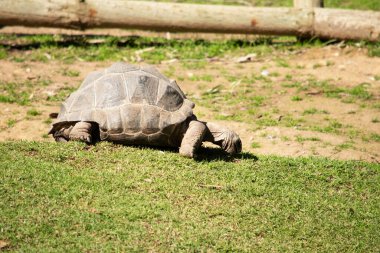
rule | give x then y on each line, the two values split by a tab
346	67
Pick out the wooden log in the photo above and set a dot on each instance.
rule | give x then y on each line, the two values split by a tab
174	17
346	24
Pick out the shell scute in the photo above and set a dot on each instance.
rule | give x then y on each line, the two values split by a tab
131	116
121	67
100	116
110	91
150	120
82	100
142	89
114	121
90	78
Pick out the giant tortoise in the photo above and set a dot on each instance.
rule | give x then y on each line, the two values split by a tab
135	105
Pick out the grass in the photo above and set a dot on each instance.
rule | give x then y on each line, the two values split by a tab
333	126
255	145
70	72
239	102
62	94
303	139
3	53
191	52
33	112
11	122
21	93
296	98
60	197
331	90
344	146
132	49
310	111
360	91
374	50
375	137
205	78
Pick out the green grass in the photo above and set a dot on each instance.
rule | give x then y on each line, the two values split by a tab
239	102
296	98
303	139
11	122
192	53
70	197
21	93
310	111
360	91
255	145
267	121
375	137
333	126
345	145
132	49
33	112
329	89
62	94
3	53
70	72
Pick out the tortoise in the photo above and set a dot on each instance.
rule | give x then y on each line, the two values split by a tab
135	105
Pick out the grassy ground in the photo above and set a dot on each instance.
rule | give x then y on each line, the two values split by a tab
58	197
71	197
152	50
222	89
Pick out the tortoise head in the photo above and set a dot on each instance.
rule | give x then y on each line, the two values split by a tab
231	143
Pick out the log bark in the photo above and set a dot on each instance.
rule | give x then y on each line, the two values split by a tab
174	17
342	24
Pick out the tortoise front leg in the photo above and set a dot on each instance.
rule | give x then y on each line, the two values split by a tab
62	135
193	138
225	138
81	132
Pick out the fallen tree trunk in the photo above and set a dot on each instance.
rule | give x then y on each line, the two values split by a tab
173	17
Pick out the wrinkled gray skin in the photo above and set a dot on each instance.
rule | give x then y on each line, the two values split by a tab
137	106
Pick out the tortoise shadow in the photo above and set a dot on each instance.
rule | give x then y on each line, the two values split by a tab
204	154
208	154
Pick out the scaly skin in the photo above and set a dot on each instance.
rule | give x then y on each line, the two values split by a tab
192	139
228	140
81	132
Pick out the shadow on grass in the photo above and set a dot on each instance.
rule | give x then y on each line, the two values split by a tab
208	154
27	42
217	154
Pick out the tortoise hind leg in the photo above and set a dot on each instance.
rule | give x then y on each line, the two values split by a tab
193	138
82	131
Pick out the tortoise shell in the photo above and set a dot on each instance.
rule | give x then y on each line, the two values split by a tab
131	104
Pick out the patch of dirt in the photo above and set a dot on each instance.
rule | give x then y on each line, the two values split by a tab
356	121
